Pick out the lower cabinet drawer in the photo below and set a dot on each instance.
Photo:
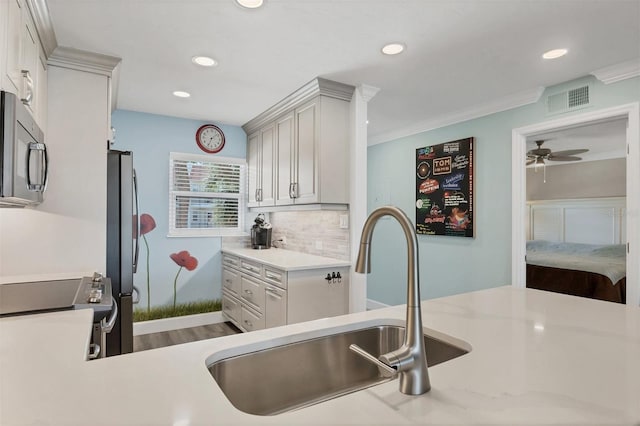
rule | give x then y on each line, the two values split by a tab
231	280
252	293
231	308
251	320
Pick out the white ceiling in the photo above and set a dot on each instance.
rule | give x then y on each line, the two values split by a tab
460	54
604	140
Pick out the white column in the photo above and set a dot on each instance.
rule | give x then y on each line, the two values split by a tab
358	189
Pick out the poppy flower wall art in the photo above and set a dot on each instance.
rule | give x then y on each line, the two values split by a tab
184	260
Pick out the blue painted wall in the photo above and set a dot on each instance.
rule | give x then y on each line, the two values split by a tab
151	138
451	265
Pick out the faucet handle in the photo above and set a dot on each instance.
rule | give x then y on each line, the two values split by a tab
390	371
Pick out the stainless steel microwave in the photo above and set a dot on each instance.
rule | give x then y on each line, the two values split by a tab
23	155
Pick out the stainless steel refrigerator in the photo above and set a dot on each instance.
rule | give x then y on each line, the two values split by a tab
122	246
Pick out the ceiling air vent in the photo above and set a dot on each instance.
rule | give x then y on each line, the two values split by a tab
568	100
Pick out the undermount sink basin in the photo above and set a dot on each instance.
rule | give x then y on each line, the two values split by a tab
296	375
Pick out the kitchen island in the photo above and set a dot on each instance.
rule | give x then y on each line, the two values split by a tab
536	358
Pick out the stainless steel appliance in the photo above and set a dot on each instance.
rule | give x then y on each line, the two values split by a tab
23	155
261	233
48	296
122	246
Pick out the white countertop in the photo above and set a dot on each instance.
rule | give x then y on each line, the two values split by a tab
537	358
287	260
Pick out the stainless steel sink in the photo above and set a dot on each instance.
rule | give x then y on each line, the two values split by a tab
296	375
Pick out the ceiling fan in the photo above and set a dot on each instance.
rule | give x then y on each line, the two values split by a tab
540	154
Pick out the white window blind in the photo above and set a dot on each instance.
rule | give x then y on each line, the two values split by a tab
206	195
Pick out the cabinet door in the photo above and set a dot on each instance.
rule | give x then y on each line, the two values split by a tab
267	135
231	308
252	292
13	60
275	307
306	185
30	50
285	129
231	280
251	320
254	172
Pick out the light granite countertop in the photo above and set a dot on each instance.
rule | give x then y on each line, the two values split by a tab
536	358
287	260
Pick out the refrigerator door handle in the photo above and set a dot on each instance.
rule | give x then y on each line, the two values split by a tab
137	216
137	293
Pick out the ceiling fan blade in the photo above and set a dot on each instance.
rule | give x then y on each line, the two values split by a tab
564	158
568	152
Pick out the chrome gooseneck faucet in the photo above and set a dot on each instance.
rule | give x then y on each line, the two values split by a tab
410	359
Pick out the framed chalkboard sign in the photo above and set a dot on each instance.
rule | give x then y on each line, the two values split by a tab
444	189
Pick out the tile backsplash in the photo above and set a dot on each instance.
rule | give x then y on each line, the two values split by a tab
315	232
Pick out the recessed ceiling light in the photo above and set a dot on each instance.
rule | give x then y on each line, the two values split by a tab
555	53
181	94
393	48
250	4
204	61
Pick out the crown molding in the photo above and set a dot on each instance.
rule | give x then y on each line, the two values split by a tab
82	60
368	92
618	72
44	25
316	87
513	101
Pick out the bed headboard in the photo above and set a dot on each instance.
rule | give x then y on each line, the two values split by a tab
585	220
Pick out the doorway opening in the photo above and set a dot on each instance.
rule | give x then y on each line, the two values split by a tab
521	220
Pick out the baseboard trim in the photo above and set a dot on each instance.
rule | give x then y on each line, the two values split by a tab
166	324
374	304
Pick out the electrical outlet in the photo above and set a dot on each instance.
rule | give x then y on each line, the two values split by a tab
344	221
318	245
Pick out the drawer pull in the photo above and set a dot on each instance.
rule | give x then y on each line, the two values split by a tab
248	323
272	276
249	292
274	294
227	281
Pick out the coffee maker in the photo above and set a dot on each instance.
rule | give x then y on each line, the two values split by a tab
261	233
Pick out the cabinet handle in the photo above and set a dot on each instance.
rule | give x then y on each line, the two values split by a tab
248	323
273	293
271	276
227	281
259	194
291	195
27	88
249	292
294	190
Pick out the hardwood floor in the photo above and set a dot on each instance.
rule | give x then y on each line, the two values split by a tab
144	342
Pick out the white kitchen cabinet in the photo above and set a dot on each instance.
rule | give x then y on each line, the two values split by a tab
11	76
21	64
270	297
275	306
260	148
312	136
285	133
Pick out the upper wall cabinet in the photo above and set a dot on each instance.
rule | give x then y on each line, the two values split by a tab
299	148
261	148
23	63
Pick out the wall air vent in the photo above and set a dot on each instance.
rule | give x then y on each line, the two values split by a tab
568	100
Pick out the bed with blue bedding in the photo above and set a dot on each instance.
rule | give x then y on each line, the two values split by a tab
588	270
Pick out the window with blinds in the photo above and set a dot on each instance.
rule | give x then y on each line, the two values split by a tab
206	195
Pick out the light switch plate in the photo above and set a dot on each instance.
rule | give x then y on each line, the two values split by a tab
344	221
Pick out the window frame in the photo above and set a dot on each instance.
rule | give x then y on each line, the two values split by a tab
241	196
